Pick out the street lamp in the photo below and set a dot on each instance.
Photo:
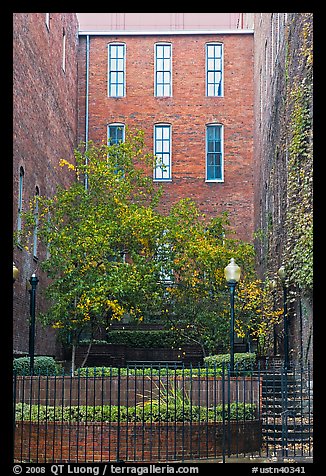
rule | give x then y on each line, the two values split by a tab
282	275
34	281
15	271
232	274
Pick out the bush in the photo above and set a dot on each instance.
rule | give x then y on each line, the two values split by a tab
42	366
147	412
244	361
139	371
144	339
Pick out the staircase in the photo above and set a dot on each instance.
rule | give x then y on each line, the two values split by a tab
287	411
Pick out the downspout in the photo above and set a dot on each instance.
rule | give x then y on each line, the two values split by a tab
86	106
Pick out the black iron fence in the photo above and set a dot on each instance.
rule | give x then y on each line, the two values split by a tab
163	413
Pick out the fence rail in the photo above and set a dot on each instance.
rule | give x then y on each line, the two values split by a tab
162	414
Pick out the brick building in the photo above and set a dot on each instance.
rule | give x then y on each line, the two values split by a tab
190	91
196	114
44	130
282	87
208	90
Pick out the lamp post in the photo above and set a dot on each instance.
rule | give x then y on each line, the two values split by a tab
34	281
15	271
232	274
282	275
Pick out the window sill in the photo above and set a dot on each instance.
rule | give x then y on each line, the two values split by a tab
214	181
162	180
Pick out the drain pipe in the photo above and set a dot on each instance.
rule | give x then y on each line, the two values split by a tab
86	106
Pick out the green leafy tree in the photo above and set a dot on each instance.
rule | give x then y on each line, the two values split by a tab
100	240
110	253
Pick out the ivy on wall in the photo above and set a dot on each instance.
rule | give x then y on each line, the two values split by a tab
298	252
299	214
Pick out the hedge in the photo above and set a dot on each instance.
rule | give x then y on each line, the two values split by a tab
42	366
242	361
144	339
147	412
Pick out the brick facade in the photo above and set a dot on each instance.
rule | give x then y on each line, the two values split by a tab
188	111
44	130
280	42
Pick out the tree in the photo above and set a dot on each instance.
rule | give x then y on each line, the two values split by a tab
110	253
197	298
100	240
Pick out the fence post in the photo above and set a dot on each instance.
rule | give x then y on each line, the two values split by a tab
223	412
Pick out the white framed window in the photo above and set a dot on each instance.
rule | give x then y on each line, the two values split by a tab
162	152
116	69
163	70
214	69
214	153
35	241
116	133
20	198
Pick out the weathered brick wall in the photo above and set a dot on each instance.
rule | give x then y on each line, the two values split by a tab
280	42
188	111
44	130
157	441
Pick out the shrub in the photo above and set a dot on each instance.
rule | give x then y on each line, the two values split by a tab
149	371
242	361
147	412
42	366
144	338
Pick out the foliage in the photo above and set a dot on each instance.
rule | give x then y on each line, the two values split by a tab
299	218
242	361
145	413
88	231
111	254
146	371
144	339
42	366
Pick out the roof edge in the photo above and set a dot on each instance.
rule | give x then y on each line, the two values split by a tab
164	32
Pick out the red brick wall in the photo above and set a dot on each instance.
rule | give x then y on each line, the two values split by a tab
150	442
188	111
44	130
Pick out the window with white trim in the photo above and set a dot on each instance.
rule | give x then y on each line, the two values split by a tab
116	133
163	69
214	153
214	69
162	152
116	69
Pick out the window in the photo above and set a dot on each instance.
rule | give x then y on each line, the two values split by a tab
214	153
20	199
162	152
37	193
214	69
116	82
163	69
116	133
